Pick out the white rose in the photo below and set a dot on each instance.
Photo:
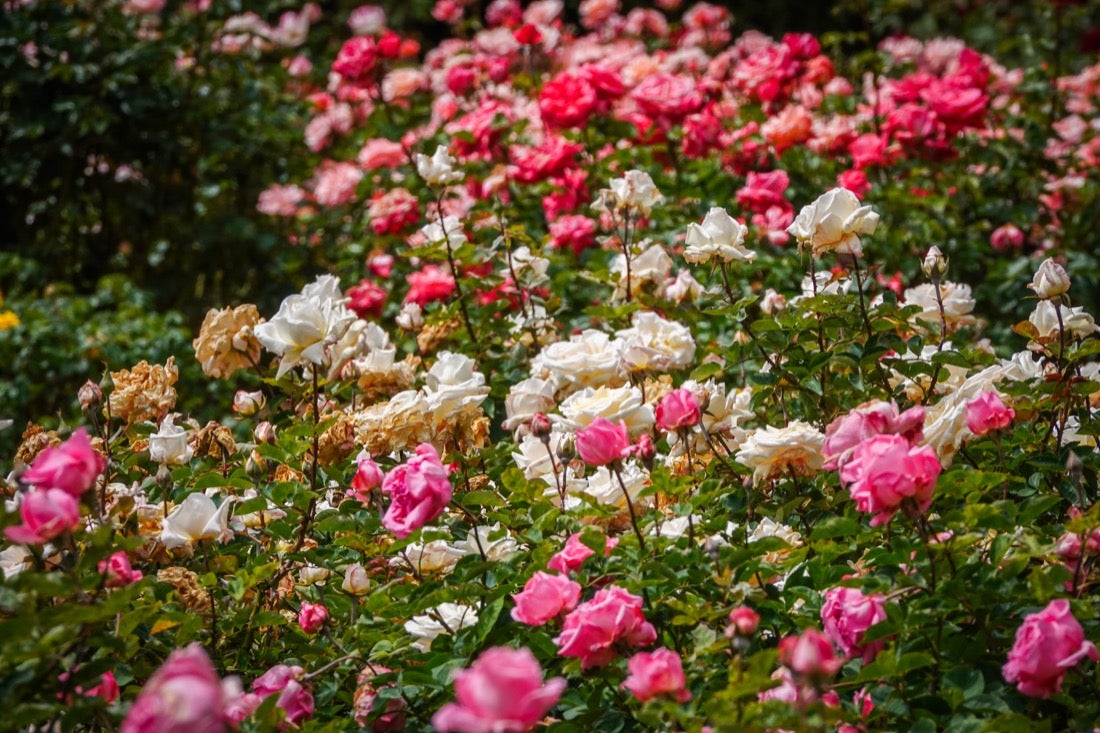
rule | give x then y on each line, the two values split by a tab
196	518
635	190
655	344
588	358
833	223
720	236
453	385
958	305
168	446
1050	281
306	324
605	488
411	317
446	230
611	403
653	265
683	287
526	399
428	626
775	452
527	266
479	540
436	556
1077	323
438	170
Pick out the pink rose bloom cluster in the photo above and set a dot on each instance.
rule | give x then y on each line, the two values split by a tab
293	697
1048	644
809	655
575	552
312	616
419	491
592	630
183	696
678	410
60	476
660	672
887	470
866	421
544	597
986	413
501	692
846	616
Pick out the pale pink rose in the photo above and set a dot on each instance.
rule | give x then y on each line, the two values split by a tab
668	98
595	13
501	692
390	212
594	628
869	419
368	477
247	404
336	184
986	413
402	83
280	200
660	672
847	614
743	622
544	597
1048	644
419	491
886	470
393	719
1006	237
602	442
183	696
367	20
381	153
299	66
72	466
118	570
575	552
678	410
809	655
46	513
294	698
312	616
763	190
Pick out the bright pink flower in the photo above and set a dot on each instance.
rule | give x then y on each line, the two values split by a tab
312	616
366	299
107	689
763	190
550	158
660	672
678	409
368	477
847	614
391	212
575	231
575	552
419	491
357	58
602	442
46	513
501	692
743	622
885	470
294	698
432	283
118	570
72	466
544	597
668	98
183	696
869	419
591	631
1048	643
809	655
1006	237
567	101
855	181
986	413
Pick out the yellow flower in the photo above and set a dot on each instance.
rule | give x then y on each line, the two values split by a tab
8	319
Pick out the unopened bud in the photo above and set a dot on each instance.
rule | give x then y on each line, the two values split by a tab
264	432
540	427
89	396
645	450
164	478
934	265
411	318
247	403
256	465
567	451
356	581
1051	280
743	622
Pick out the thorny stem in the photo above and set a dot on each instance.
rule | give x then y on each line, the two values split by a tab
922	528
943	316
454	269
685	438
862	305
307	518
354	654
629	506
557	476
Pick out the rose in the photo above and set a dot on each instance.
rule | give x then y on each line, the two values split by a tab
593	628
833	223
306	324
575	552
247	403
743	622
46	513
294	698
545	596
678	410
1050	281
654	344
183	696
419	490
429	284
452	385
660	672
356	581
501	692
635	190
312	616
566	101
196	518
590	358
869	419
720	236
809	655
1006	237
987	412
602	442
611	403
439	169
168	446
772	452
886	470
72	466
368	477
847	614
446	618
1048	643
118	571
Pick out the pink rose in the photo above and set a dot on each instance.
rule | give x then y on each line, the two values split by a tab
544	597
593	628
368	477
809	655
312	616
566	101
46	513
294	698
501	692
419	490
602	442
393	719
678	409
869	419
667	97
763	190
72	466
356	58
1047	644
885	470
986	413
183	696
846	616
118	571
659	672
366	299
430	284
575	231
743	622
575	552
1006	237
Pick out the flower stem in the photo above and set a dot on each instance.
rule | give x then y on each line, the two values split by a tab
629	506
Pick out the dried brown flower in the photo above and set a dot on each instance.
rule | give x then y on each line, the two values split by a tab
435	334
214	440
192	595
337	443
144	393
225	342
